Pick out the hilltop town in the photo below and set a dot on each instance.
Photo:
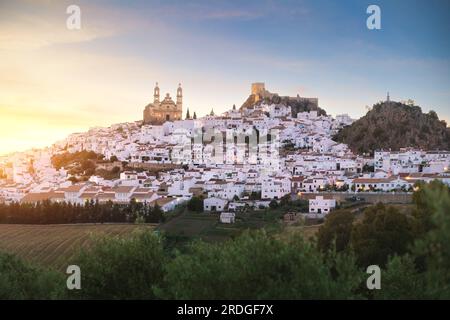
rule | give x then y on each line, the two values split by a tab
244	157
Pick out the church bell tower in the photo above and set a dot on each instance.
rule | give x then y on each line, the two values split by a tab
156	94
179	97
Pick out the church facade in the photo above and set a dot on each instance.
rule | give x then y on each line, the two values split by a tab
158	112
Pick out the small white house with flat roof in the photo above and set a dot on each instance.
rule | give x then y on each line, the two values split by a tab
214	204
320	206
227	217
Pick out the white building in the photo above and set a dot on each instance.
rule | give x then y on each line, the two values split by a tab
214	204
227	217
381	184
275	188
321	206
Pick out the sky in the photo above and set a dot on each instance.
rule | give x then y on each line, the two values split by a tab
55	81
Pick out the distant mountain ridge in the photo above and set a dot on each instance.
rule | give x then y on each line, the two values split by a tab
394	125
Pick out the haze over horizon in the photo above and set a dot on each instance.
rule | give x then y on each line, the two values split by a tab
57	81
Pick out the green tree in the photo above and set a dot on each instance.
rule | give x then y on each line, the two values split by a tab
243	269
368	168
21	280
285	200
400	280
87	165
195	204
157	214
255	195
434	247
336	231
273	204
115	170
73	179
424	209
383	232
121	268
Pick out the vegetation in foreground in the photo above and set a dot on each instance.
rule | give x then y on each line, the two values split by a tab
414	255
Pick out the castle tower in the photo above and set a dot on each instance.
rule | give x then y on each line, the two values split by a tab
258	90
179	97
156	94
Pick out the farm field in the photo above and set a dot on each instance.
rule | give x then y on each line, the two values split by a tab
197	225
54	245
206	226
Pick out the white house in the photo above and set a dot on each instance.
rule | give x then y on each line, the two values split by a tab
236	205
123	193
314	183
321	206
227	217
72	193
214	204
275	188
383	184
150	133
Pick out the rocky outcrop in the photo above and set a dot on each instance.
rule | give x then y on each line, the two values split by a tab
297	104
394	125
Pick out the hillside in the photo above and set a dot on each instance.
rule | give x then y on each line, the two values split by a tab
83	164
394	125
296	105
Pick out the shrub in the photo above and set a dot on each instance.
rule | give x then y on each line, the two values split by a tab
195	204
257	266
121	268
336	231
21	280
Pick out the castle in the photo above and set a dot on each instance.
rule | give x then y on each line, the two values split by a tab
259	93
158	112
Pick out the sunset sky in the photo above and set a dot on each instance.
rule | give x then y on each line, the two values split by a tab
55	81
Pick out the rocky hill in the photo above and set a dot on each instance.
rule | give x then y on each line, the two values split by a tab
393	125
295	104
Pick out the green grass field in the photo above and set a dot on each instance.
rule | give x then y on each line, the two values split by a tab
206	226
55	245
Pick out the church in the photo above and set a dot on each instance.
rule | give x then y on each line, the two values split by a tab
158	112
